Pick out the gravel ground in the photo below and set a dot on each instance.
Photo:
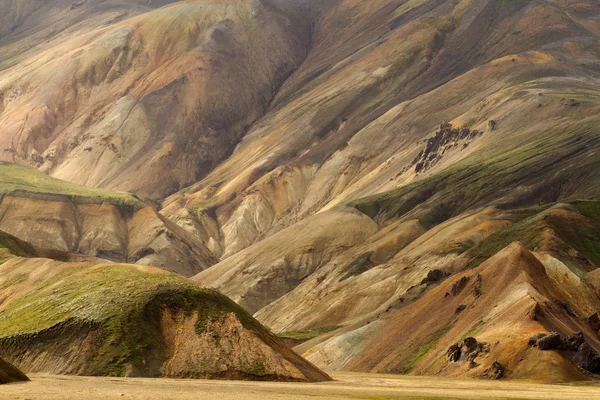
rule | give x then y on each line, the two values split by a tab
346	386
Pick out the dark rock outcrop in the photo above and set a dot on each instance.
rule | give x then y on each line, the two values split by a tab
467	350
460	309
453	353
536	312
495	371
459	285
575	347
445	139
574	341
477	288
594	323
553	341
533	341
433	276
567	307
587	359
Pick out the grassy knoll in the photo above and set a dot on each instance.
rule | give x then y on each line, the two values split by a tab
123	301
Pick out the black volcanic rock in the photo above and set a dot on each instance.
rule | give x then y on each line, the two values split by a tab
587	359
552	341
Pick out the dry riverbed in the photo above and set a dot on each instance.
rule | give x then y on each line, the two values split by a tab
346	386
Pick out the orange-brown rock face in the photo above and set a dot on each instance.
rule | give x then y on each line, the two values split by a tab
141	105
104	231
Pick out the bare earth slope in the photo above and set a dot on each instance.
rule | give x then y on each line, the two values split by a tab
150	103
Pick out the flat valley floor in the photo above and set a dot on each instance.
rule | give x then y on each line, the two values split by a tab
346	386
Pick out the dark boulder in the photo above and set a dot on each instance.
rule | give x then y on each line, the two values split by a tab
587	359
459	285
495	371
433	276
466	351
594	322
453	353
552	341
574	341
536	312
533	341
567	307
477	288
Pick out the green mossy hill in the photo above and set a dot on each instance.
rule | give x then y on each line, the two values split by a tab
121	304
26	181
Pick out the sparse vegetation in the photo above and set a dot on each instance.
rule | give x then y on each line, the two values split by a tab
309	334
526	232
417	353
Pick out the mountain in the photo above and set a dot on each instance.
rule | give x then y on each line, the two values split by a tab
334	167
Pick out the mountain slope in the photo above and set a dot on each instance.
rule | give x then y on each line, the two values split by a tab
166	94
499	300
353	122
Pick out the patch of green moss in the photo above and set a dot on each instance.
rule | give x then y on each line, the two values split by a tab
475	329
309	334
526	232
257	369
21	180
418	353
585	238
207	315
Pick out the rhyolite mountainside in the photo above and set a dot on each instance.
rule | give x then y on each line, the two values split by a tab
359	173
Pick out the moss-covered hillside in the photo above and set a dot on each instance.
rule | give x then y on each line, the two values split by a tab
111	319
27	181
